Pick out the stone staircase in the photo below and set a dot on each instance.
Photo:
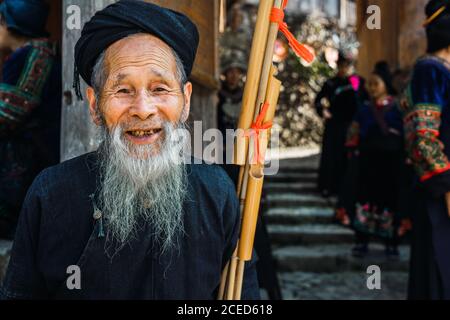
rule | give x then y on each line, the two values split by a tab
313	255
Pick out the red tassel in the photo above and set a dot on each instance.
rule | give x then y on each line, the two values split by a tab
277	16
255	130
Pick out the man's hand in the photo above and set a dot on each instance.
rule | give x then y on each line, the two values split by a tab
447	201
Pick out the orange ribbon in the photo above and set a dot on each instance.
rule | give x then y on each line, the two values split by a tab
277	16
255	130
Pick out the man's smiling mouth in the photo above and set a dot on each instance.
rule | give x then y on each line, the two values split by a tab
143	133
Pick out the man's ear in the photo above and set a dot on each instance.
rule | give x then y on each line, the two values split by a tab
187	101
92	99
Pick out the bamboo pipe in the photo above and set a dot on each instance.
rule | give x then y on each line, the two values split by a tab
231	279
259	42
262	89
251	208
268	61
266	74
245	122
272	96
223	281
256	60
239	281
250	216
273	91
264	79
256	174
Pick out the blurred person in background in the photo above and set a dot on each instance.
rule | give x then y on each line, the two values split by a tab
375	137
229	105
30	104
337	104
427	130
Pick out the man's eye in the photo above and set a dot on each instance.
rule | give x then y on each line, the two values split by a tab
124	91
160	89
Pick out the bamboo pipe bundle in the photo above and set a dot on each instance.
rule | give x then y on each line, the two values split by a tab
251	177
259	44
251	208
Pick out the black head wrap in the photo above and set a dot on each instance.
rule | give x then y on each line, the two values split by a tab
127	17
344	58
383	71
438	30
26	17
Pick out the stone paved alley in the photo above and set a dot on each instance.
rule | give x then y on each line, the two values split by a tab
313	254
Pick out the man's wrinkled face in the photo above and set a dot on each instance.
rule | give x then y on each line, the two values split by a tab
140	109
142	91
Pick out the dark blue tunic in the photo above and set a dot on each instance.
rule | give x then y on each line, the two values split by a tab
56	230
377	133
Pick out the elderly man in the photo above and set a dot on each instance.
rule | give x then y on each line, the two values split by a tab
129	221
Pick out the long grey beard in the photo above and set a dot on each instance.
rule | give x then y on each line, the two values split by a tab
140	184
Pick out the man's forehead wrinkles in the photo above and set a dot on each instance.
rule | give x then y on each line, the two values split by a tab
159	72
158	68
162	62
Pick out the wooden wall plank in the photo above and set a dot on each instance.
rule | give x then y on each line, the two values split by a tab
401	39
204	13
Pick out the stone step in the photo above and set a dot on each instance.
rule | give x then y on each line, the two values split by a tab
337	258
305	215
309	234
342	286
300	163
292	177
299	187
5	251
298	200
298	169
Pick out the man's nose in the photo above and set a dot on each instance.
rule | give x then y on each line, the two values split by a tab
143	106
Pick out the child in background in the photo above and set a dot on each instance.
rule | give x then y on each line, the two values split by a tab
376	138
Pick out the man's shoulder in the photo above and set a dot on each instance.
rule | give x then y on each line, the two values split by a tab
65	174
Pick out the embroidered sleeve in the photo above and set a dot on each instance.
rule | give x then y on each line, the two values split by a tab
17	102
422	121
353	135
422	141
